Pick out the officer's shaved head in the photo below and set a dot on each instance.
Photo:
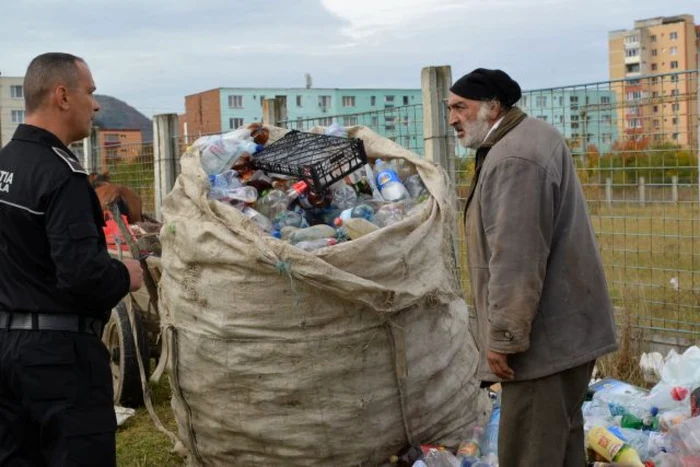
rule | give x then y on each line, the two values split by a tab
46	72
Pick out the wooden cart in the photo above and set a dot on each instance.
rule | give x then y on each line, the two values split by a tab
134	326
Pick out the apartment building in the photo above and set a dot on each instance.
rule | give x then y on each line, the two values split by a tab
654	68
11	106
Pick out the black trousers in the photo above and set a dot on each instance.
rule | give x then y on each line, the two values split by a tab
541	420
56	406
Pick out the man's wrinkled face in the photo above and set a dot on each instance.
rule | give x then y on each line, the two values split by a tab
470	120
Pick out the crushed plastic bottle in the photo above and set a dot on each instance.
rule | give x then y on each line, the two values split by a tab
440	458
388	182
388	215
361	211
472	448
612	448
244	194
313	245
415	186
490	443
335	129
315	232
218	152
290	218
355	227
344	197
259	219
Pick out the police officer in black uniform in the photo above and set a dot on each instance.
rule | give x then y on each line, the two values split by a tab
57	281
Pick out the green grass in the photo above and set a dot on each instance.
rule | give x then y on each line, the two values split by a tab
139	443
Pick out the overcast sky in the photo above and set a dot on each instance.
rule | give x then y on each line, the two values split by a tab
151	53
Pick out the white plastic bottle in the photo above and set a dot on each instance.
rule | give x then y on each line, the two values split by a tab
388	182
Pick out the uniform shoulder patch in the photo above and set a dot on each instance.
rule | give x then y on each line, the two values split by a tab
69	159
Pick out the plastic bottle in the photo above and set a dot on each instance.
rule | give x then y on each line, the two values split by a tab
612	448
290	218
415	186
490	443
361	211
344	197
356	227
315	232
388	182
335	129
313	245
218	152
388	215
245	194
473	446
287	231
227	179
262	221
276	202
440	458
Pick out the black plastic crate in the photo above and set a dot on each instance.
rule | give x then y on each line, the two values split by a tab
319	160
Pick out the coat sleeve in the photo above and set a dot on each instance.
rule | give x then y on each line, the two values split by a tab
84	268
517	209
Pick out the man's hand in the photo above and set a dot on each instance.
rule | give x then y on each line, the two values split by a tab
499	365
135	273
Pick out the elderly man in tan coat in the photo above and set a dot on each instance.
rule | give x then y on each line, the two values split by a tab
543	310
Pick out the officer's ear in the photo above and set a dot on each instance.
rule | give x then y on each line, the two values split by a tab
61	97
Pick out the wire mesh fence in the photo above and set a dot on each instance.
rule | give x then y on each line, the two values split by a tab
130	165
635	145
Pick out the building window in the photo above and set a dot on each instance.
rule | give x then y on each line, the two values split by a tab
236	102
656	109
633	68
607	119
324	101
655	94
523	101
631	53
652	38
604	99
235	123
561	119
373	101
405	100
656	123
300	123
674	51
675	136
634	95
674	65
654	52
407	141
606	138
405	120
632	39
16	92
543	117
541	101
349	120
17	116
654	67
674	78
388	98
299	101
112	138
674	121
675	107
673	36
325	121
634	123
375	122
674	92
348	101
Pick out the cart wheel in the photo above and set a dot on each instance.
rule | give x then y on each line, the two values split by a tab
124	363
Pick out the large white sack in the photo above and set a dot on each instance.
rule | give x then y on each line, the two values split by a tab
338	357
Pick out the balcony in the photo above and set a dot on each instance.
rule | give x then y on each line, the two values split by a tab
632	60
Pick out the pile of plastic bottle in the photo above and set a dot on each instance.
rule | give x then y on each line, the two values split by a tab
373	197
625	425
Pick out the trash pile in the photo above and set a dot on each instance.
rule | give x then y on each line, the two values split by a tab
310	190
625	425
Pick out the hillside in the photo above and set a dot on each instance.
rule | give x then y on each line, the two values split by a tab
117	114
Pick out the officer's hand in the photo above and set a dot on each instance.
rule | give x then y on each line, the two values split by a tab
135	274
499	365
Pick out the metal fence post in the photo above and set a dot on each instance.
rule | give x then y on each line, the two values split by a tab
90	150
165	157
435	84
